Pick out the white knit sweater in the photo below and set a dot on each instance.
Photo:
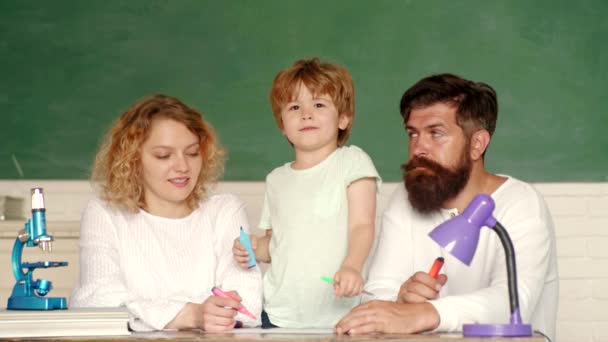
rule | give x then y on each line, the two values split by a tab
155	265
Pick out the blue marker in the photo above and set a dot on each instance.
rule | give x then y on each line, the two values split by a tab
246	242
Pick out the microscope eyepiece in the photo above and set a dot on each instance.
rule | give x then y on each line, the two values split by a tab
37	199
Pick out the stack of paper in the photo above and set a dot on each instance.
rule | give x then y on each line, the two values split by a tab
70	322
11	208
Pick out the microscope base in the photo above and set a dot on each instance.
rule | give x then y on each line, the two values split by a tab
21	299
36	303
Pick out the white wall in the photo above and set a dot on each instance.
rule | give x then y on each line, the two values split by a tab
580	212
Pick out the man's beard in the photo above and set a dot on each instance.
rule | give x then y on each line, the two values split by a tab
429	188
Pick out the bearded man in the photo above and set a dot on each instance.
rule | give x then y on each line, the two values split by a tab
450	121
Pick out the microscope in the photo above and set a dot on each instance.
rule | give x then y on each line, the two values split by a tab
29	294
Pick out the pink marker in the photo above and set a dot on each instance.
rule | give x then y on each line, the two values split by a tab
218	292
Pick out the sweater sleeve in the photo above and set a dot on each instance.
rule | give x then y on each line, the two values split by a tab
147	315
531	239
230	276
101	283
391	261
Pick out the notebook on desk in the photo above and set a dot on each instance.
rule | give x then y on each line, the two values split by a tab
70	322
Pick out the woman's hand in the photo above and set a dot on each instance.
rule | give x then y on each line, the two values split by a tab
213	315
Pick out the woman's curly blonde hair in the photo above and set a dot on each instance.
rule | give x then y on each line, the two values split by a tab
118	167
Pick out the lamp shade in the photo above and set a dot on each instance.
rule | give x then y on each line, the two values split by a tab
460	234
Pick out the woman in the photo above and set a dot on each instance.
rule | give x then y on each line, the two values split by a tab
154	240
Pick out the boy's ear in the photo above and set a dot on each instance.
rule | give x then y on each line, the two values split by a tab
479	142
344	120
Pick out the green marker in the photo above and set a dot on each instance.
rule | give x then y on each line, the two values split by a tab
330	280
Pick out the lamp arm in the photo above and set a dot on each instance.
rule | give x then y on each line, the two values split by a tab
510	258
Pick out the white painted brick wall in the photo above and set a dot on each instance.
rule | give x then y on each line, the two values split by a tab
598	247
599	288
600	332
580	212
574	331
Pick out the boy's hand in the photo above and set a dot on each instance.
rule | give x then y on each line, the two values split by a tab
240	253
348	282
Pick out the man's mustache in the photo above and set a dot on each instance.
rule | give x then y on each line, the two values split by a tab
422	162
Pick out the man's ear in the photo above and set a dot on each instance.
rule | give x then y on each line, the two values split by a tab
344	120
479	142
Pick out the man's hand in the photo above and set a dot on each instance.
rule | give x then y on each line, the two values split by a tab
214	314
348	282
388	317
420	288
240	253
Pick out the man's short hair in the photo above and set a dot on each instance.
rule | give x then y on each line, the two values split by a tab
476	104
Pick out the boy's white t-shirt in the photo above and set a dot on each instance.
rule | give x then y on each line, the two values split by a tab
308	213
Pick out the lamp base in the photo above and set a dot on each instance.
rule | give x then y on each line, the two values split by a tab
489	330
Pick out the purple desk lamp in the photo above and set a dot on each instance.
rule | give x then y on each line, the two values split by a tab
459	236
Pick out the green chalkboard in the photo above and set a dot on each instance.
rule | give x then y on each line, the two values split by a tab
69	68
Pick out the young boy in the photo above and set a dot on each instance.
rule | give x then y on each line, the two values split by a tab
319	210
